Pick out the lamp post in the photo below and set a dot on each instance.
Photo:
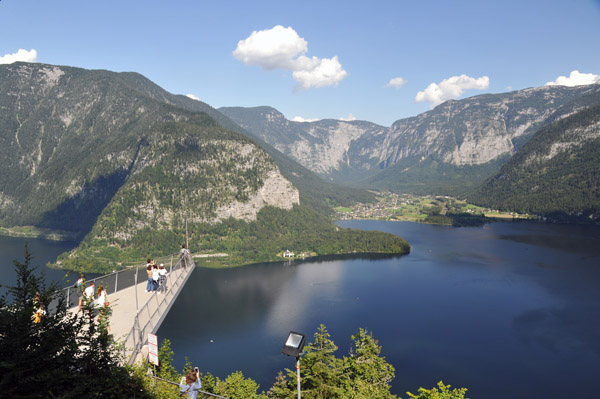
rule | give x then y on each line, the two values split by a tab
293	347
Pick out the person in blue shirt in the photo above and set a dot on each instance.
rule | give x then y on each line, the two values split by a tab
192	384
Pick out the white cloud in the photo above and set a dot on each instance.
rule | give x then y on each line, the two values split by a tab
301	119
348	118
451	88
193	97
21	55
396	82
283	48
318	72
575	79
272	48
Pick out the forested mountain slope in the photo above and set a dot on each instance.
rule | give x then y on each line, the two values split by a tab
313	189
92	152
555	174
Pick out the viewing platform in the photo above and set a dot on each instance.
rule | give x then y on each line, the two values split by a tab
135	312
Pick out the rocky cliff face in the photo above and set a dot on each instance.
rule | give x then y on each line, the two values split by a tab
556	173
343	150
475	131
95	150
479	129
276	191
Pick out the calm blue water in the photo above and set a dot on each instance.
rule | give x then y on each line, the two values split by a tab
42	250
507	310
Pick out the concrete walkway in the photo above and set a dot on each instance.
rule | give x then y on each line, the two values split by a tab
123	305
130	322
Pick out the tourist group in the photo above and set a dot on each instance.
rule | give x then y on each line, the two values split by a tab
157	277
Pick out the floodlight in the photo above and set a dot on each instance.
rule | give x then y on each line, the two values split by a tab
294	344
293	347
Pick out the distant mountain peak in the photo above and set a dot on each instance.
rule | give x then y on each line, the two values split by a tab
477	131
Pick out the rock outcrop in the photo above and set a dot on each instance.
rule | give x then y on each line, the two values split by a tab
472	132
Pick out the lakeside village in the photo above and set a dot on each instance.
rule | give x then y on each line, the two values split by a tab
443	210
425	209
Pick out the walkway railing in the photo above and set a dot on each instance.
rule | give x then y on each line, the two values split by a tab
203	393
118	280
155	309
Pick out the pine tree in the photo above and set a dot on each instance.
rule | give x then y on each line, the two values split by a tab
366	373
235	386
63	355
320	370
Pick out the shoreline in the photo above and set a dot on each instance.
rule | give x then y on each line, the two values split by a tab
350	255
36	232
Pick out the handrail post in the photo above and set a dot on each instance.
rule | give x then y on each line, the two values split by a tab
136	289
116	281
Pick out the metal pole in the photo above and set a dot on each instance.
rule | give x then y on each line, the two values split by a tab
298	370
136	290
187	244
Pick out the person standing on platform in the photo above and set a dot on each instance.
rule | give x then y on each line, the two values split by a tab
101	299
155	276
162	278
89	292
149	274
101	306
79	286
183	256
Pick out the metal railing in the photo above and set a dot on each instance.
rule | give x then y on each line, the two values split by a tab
204	393
154	310
117	280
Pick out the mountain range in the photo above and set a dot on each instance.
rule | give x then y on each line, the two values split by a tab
123	164
448	150
555	174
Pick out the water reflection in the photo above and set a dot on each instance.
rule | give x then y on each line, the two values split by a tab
502	308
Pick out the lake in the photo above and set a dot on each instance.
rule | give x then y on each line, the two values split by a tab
42	251
506	310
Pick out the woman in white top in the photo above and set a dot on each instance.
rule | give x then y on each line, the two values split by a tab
101	299
89	292
155	277
101	305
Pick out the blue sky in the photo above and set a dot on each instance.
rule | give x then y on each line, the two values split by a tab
316	59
